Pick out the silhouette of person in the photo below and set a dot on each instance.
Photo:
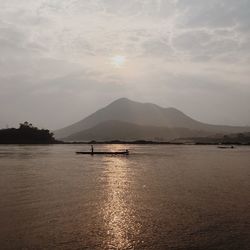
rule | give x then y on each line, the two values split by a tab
92	149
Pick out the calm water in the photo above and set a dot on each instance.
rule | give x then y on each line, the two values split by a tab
159	197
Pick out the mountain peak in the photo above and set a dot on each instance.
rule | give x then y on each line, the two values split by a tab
122	100
126	101
143	114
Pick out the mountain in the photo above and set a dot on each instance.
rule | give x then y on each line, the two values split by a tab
118	130
144	114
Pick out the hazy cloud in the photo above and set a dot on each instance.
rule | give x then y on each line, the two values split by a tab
177	51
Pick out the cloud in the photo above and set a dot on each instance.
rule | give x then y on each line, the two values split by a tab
60	50
215	13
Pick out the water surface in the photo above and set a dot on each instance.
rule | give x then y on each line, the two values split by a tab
159	197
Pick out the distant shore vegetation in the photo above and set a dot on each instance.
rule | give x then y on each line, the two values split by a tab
235	139
26	134
29	134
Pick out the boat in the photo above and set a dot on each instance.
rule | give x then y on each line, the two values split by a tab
126	152
225	147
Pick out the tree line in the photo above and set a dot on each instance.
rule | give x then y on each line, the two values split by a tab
26	134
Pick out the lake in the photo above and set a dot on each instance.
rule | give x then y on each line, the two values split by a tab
158	197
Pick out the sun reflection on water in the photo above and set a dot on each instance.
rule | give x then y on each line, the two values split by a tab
118	213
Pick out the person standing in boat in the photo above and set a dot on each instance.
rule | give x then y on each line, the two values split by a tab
92	149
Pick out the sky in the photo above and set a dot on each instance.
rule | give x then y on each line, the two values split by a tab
61	60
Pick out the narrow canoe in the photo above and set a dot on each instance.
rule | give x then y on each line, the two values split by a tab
225	147
104	153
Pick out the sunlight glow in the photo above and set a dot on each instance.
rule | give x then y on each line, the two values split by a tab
120	220
118	61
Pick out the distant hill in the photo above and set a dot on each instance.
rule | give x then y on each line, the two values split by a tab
240	138
117	130
143	114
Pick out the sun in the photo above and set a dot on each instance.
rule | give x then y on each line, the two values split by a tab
118	61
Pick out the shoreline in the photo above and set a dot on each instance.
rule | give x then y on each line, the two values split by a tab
139	142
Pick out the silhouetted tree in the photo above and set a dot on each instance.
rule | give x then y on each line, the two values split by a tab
26	134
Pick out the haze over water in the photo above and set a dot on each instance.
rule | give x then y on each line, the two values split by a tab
159	197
